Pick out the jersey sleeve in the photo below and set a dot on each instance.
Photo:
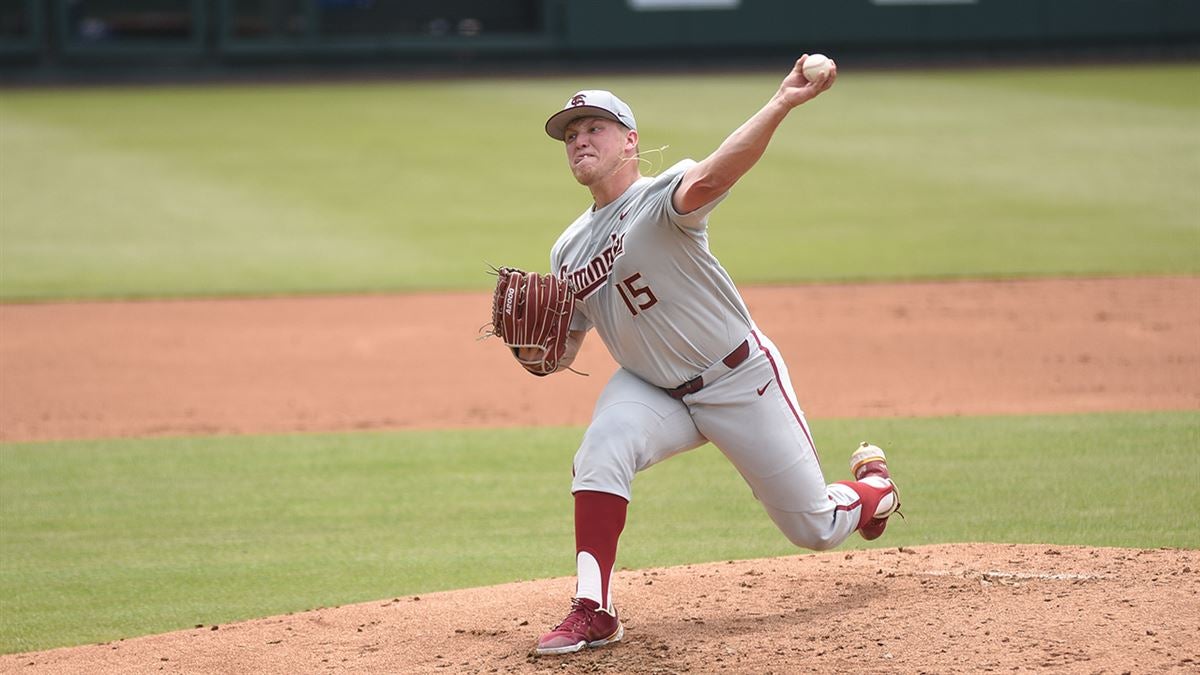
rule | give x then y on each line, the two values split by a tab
692	220
579	320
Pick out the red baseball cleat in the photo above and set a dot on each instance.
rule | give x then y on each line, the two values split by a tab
870	466
586	626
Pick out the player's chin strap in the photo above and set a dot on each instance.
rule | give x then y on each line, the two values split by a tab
651	170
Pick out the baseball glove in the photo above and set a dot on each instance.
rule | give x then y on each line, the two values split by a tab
532	311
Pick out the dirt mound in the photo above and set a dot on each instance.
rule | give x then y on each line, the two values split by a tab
950	608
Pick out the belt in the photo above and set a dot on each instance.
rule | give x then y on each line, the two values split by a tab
733	360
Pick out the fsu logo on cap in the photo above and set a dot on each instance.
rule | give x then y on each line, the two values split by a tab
578	100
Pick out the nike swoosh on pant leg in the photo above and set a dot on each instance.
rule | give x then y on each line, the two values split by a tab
764	387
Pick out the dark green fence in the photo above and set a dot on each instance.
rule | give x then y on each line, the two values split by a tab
144	32
867	23
21	29
330	27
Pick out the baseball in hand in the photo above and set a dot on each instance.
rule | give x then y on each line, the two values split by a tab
817	67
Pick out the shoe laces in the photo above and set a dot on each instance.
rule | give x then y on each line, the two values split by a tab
579	619
897	497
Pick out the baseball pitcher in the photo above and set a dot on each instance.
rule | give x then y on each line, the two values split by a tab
636	267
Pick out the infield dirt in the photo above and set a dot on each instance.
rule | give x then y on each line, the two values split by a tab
88	370
275	365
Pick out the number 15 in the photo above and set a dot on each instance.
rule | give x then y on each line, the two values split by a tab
634	293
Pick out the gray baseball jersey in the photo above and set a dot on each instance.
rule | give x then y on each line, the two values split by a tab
647	282
667	311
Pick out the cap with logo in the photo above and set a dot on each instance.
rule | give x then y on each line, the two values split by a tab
590	103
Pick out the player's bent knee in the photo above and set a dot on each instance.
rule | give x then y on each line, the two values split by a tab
810	539
607	458
602	479
813	531
816	543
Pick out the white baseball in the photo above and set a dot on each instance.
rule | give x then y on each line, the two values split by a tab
817	67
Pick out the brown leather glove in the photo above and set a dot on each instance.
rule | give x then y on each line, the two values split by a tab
532	311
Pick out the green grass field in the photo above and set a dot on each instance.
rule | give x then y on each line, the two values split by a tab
199	191
416	185
112	538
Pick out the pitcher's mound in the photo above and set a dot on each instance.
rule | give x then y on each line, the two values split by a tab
951	608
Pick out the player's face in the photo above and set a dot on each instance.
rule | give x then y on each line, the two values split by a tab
595	148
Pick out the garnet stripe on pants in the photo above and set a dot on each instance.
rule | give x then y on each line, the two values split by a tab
784	390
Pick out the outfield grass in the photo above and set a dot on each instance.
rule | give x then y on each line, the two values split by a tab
416	185
108	539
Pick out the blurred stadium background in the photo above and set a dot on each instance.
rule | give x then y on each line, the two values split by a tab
42	39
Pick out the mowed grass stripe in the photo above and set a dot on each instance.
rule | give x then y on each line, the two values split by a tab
116	538
416	185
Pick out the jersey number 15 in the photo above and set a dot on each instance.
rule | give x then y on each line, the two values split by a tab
637	298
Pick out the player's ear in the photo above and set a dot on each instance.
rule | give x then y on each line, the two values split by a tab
631	140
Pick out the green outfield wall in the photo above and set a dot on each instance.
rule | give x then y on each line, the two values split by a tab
81	33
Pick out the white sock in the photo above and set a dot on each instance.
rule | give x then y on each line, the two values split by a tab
587	578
